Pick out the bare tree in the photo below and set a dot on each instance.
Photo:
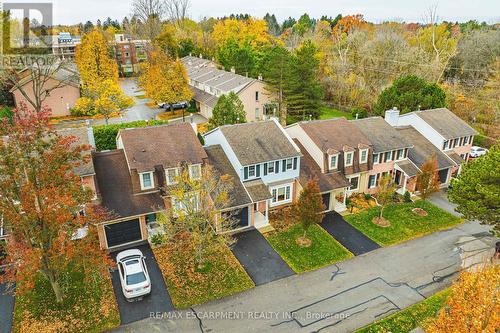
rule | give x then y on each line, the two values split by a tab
36	82
150	13
176	10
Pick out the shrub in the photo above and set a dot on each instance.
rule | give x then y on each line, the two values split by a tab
361	112
158	239
202	140
368	196
407	197
83	107
6	112
105	135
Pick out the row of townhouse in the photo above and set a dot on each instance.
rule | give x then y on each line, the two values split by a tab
267	164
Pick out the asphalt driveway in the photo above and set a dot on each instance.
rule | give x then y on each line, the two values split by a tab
159	299
347	235
6	309
259	259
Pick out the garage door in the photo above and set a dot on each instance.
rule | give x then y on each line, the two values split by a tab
123	232
443	175
326	200
240	215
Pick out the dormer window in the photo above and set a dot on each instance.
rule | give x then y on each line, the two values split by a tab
147	181
171	175
334	159
348	158
363	156
195	171
251	171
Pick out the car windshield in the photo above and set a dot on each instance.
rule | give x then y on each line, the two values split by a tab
136	278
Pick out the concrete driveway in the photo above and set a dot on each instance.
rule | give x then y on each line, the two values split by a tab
159	299
354	240
6	309
262	263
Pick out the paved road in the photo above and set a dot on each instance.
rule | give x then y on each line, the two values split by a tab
6	309
440	199
262	263
337	298
347	235
158	300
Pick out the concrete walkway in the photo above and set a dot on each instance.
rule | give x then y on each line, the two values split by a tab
338	298
353	240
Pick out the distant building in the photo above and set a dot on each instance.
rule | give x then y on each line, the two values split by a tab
64	45
209	83
129	53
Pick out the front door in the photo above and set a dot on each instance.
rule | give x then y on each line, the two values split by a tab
397	179
326	200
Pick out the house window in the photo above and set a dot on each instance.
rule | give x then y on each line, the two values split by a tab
333	162
146	179
270	167
257	113
400	154
455	143
172	175
348	158
387	157
251	171
445	145
195	171
354	183
466	140
289	163
281	194
256	96
372	181
363	156
375	158
461	141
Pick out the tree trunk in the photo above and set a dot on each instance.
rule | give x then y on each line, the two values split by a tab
57	290
381	212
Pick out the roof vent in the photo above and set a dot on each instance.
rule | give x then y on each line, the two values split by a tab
143	150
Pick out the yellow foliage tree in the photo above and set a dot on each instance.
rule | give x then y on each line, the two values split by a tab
250	31
473	305
164	79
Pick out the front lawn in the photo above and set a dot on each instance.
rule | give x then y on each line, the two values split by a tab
88	306
327	112
410	318
324	250
222	276
405	224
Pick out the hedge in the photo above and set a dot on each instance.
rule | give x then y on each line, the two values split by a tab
105	135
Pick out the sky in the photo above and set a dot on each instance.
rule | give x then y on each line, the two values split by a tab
75	11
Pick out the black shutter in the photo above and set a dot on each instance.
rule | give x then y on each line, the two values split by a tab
295	163
245	173
277	167
284	166
265	169
257	170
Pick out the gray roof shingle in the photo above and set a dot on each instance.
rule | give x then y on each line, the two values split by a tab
83	137
448	124
258	190
382	135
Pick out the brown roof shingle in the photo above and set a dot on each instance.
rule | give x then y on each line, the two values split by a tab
382	135
83	137
258	190
166	145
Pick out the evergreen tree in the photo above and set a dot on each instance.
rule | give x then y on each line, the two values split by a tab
272	24
228	110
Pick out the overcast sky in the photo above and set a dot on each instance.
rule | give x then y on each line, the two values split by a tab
74	11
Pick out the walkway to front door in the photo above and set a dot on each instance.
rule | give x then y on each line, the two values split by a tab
347	235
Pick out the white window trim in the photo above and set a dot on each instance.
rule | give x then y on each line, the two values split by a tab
331	166
369	184
349	187
167	178
291	164
390	156
277	203
345	158
254	171
376	161
142	182
271	164
191	167
361	154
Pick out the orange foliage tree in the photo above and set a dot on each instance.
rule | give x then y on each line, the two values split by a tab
428	178
473	305
41	198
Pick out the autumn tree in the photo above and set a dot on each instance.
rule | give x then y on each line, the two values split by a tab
428	178
472	305
228	110
40	198
476	191
164	79
197	200
309	208
385	192
149	13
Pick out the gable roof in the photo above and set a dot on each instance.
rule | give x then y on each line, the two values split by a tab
218	160
337	133
423	149
67	74
446	123
382	135
165	145
84	136
259	142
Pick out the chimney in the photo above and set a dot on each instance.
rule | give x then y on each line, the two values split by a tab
233	70
392	116
259	77
190	54
201	56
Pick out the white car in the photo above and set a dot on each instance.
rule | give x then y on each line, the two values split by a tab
134	276
477	151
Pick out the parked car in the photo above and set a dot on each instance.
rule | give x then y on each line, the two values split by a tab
477	151
134	276
175	106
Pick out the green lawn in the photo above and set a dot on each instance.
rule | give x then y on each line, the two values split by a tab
187	286
88	306
405	224
325	250
329	112
410	318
